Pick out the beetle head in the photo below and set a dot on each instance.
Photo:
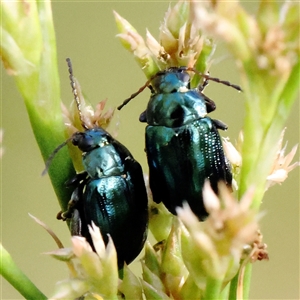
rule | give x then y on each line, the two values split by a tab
171	80
91	139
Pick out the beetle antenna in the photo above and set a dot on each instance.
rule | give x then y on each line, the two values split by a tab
52	155
207	77
74	86
136	93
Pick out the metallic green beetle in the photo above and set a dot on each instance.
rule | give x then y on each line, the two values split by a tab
110	191
183	145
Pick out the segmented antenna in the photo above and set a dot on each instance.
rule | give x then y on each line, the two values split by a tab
207	77
136	93
75	92
77	100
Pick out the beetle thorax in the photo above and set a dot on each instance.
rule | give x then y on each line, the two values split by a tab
103	162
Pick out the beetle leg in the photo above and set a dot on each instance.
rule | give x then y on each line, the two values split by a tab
76	223
72	205
76	180
73	211
210	104
201	87
219	124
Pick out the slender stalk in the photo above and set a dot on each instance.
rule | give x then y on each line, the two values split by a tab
33	63
213	289
233	287
225	292
17	278
240	284
247	280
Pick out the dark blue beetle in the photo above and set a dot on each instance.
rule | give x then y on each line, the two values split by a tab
183	145
110	192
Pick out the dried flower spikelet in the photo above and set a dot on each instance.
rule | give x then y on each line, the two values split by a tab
280	42
255	251
198	249
134	43
259	249
130	286
281	166
91	117
234	157
160	220
96	272
232	154
19	56
172	265
181	39
79	113
129	37
163	267
181	42
218	21
229	226
272	42
232	222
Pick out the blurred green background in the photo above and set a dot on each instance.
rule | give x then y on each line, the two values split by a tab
85	32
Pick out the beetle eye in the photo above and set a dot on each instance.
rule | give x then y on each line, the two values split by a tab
83	141
185	77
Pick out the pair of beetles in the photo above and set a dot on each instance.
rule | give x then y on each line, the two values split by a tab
183	150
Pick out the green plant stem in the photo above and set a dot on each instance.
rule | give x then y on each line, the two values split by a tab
225	292
263	107
213	289
50	133
233	287
17	278
242	280
247	281
33	63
